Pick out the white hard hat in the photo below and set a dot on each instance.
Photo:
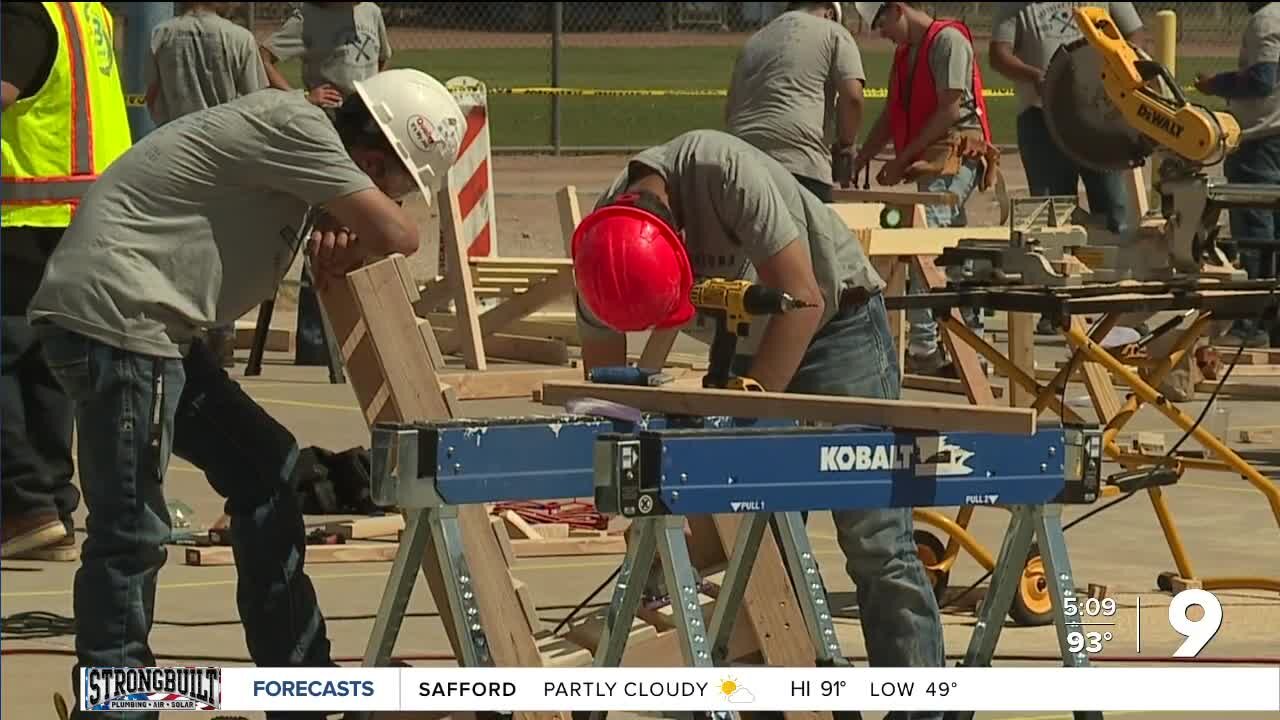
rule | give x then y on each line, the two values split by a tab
839	12
421	120
868	11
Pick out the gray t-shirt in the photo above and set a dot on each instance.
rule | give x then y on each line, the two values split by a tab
339	43
1037	29
201	60
1259	117
951	62
196	224
736	208
782	95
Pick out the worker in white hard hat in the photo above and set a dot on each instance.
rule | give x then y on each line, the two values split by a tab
796	94
193	227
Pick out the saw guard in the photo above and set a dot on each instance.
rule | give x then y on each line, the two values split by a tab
1196	134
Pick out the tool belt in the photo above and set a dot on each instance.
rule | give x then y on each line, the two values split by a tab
944	158
853	298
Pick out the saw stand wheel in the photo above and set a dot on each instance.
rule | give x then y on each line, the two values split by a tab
932	552
1032	606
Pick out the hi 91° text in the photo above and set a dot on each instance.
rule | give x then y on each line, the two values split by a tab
835	688
1094	620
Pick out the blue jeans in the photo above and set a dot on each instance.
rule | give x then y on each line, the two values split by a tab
132	411
1051	172
854	356
1255	162
922	337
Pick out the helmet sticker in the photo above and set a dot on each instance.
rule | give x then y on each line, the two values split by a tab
421	133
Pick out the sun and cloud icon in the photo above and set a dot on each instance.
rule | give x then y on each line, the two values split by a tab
735	693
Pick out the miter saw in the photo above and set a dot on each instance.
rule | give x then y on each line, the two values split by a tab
1109	107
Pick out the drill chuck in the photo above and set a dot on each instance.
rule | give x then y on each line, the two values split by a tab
761	300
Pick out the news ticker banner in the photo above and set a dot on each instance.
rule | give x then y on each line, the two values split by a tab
737	689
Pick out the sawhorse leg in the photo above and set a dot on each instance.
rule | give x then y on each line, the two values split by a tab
428	530
663	536
1044	522
263	328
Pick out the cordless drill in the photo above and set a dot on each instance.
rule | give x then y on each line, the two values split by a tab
734	303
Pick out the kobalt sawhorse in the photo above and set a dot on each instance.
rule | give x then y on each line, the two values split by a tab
660	469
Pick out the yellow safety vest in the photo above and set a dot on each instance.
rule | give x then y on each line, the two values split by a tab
57	142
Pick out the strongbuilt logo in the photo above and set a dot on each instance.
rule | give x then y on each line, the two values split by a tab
172	688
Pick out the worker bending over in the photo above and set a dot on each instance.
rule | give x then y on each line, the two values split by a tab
937	119
193	227
200	59
1025	37
1253	95
62	126
707	204
796	93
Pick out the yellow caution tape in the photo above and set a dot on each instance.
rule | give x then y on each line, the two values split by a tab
602	92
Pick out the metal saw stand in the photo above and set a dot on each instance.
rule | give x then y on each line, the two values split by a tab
703	646
1210	301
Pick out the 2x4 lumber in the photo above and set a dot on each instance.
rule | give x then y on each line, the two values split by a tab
540	351
278	339
538	296
903	414
570	215
858	215
1022	352
893	198
366	528
544	328
343	553
928	242
520	262
470	341
395	336
503	384
434	295
569	546
949	386
657	348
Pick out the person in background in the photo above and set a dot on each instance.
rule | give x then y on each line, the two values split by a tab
200	59
340	44
1253	95
798	83
936	117
1023	41
64	122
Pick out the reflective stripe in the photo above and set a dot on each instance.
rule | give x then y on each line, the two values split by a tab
44	190
81	123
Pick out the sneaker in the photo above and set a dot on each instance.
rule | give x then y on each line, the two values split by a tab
931	363
64	550
1046	326
24	533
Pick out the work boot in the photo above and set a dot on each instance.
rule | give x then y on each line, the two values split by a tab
24	533
64	550
932	363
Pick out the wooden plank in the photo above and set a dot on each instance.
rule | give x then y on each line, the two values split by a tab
540	351
346	553
570	215
499	528
902	414
657	348
518	528
566	330
433	296
538	296
365	528
501	384
560	652
513	274
1022	352
928	242
520	262
949	386
892	197
464	298
530	608
279	339
499	610
856	216
571	546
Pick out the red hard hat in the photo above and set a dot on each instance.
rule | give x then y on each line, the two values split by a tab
631	267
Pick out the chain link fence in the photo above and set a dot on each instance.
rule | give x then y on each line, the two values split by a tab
599	76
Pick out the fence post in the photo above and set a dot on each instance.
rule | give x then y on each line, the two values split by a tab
557	30
141	19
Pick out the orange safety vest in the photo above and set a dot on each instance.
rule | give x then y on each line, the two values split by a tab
913	94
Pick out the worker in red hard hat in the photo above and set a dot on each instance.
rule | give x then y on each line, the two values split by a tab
708	204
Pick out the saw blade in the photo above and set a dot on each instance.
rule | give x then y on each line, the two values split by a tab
1082	120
